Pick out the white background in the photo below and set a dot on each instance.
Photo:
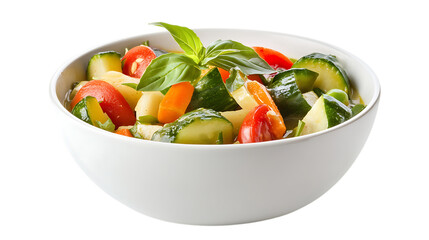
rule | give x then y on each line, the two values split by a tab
44	195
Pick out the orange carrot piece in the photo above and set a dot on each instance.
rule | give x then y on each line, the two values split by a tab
175	102
124	131
261	95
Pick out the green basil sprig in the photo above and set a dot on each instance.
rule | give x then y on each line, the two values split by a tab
167	70
172	68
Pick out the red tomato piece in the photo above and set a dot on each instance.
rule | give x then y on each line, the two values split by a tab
224	74
256	126
273	58
136	60
111	101
255	77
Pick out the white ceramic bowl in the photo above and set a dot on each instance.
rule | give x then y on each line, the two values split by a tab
219	184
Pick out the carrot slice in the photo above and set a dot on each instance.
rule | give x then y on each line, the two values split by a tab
261	95
124	131
175	102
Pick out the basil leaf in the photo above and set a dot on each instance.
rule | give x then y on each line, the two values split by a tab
108	125
134	131
131	85
145	43
227	54
148	119
167	70
187	40
235	80
357	109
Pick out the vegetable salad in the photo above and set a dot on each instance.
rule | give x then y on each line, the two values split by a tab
222	93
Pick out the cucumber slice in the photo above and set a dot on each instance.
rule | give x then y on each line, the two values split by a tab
201	126
210	92
103	62
76	88
89	110
288	98
331	74
326	112
318	92
311	97
304	78
340	95
144	131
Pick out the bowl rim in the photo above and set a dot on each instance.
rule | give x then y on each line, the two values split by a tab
369	106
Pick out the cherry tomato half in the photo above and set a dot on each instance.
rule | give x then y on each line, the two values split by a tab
273	58
256	126
111	101
136	60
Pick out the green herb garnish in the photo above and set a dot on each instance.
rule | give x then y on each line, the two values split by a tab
172	68
148	119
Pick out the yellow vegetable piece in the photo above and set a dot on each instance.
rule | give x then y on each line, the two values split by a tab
95	112
148	104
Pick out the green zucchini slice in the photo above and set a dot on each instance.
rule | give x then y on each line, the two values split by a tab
103	62
331	74
210	92
325	113
288	97
88	110
201	126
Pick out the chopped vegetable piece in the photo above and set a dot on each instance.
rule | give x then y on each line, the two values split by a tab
261	95
244	99
357	109
326	112
148	104
124	131
118	80
331	74
298	129
103	62
236	118
201	126
340	95
89	110
210	92
110	99
76	88
304	78
136	60
288	98
256	126
144	131
224	73
275	59
175	102
148	119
